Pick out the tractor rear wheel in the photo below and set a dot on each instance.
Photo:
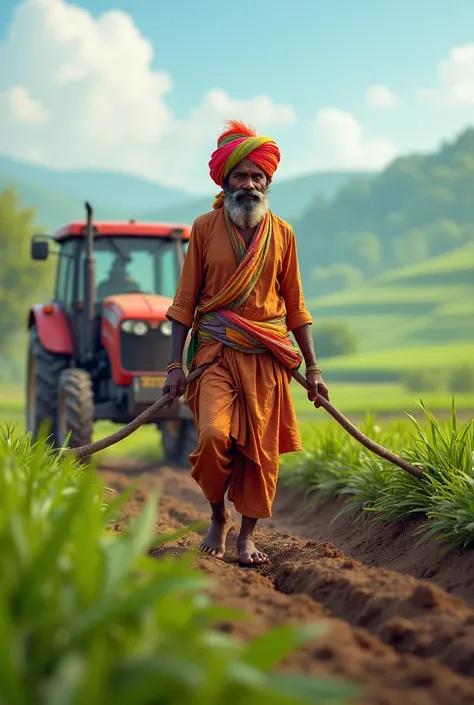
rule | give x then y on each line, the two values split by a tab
75	408
44	369
179	440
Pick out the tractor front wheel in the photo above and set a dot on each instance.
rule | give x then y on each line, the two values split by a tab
44	370
75	408
179	440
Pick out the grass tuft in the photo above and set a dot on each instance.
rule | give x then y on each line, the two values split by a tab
334	464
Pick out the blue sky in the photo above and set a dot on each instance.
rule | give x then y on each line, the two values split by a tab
316	56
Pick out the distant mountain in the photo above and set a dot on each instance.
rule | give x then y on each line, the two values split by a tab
58	196
54	207
131	194
289	198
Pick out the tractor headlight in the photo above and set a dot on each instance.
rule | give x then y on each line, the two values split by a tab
135	327
140	328
166	328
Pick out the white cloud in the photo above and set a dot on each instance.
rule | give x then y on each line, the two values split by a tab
342	143
381	97
455	85
82	92
21	108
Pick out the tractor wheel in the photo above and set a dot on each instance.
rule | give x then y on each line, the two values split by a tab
44	369
179	440
75	409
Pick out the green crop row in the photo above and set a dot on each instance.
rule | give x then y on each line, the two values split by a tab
335	464
88	617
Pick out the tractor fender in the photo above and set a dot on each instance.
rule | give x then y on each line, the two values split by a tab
52	327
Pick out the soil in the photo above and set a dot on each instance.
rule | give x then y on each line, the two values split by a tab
398	545
399	618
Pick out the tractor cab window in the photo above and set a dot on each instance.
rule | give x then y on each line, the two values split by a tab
133	264
64	293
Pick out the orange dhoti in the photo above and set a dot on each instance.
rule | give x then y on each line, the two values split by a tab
245	419
242	405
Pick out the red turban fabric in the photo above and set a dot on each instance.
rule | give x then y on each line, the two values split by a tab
240	142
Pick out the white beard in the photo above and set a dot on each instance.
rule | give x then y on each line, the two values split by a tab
245	213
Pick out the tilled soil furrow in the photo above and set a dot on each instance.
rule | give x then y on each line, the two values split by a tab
403	639
412	616
343	651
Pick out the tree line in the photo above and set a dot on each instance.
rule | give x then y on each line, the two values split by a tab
22	281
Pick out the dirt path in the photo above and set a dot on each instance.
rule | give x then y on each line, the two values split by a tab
407	640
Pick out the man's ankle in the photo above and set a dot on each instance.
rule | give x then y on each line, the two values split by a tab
219	513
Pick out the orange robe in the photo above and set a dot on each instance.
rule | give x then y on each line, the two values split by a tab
242	404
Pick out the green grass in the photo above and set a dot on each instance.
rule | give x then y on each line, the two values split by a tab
88	616
381	399
388	365
353	400
334	464
144	444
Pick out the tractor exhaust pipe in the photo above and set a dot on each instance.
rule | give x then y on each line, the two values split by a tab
89	288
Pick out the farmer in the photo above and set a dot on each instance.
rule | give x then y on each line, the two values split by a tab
240	292
119	281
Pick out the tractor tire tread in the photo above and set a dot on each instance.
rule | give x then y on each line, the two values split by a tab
48	368
177	451
76	385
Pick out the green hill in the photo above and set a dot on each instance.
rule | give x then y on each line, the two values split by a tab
419	207
432	302
415	317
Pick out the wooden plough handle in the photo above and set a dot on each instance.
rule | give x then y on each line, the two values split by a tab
145	416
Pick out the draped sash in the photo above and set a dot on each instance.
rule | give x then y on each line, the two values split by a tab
219	320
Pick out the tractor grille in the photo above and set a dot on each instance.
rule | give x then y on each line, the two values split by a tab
146	353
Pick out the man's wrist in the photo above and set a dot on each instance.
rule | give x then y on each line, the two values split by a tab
174	366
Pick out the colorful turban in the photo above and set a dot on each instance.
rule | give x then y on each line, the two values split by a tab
240	142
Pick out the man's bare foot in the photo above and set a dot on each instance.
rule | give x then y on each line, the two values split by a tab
248	553
214	541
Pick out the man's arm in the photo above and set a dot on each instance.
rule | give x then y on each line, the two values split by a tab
179	333
175	384
181	314
187	292
304	339
299	320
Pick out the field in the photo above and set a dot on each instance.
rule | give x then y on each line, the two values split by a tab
367	598
430	303
388	365
114	605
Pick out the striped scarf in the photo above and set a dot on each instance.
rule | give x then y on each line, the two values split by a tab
218	319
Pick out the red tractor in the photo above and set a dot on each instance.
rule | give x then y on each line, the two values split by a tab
99	350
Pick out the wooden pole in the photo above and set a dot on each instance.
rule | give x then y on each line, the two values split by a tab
145	416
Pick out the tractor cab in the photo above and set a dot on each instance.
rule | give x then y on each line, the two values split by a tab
99	349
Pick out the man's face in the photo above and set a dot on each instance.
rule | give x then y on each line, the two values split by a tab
246	194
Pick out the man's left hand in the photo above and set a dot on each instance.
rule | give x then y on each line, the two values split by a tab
316	388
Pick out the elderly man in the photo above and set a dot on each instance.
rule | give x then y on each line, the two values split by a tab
240	292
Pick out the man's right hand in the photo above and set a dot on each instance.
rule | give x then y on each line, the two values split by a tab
175	385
